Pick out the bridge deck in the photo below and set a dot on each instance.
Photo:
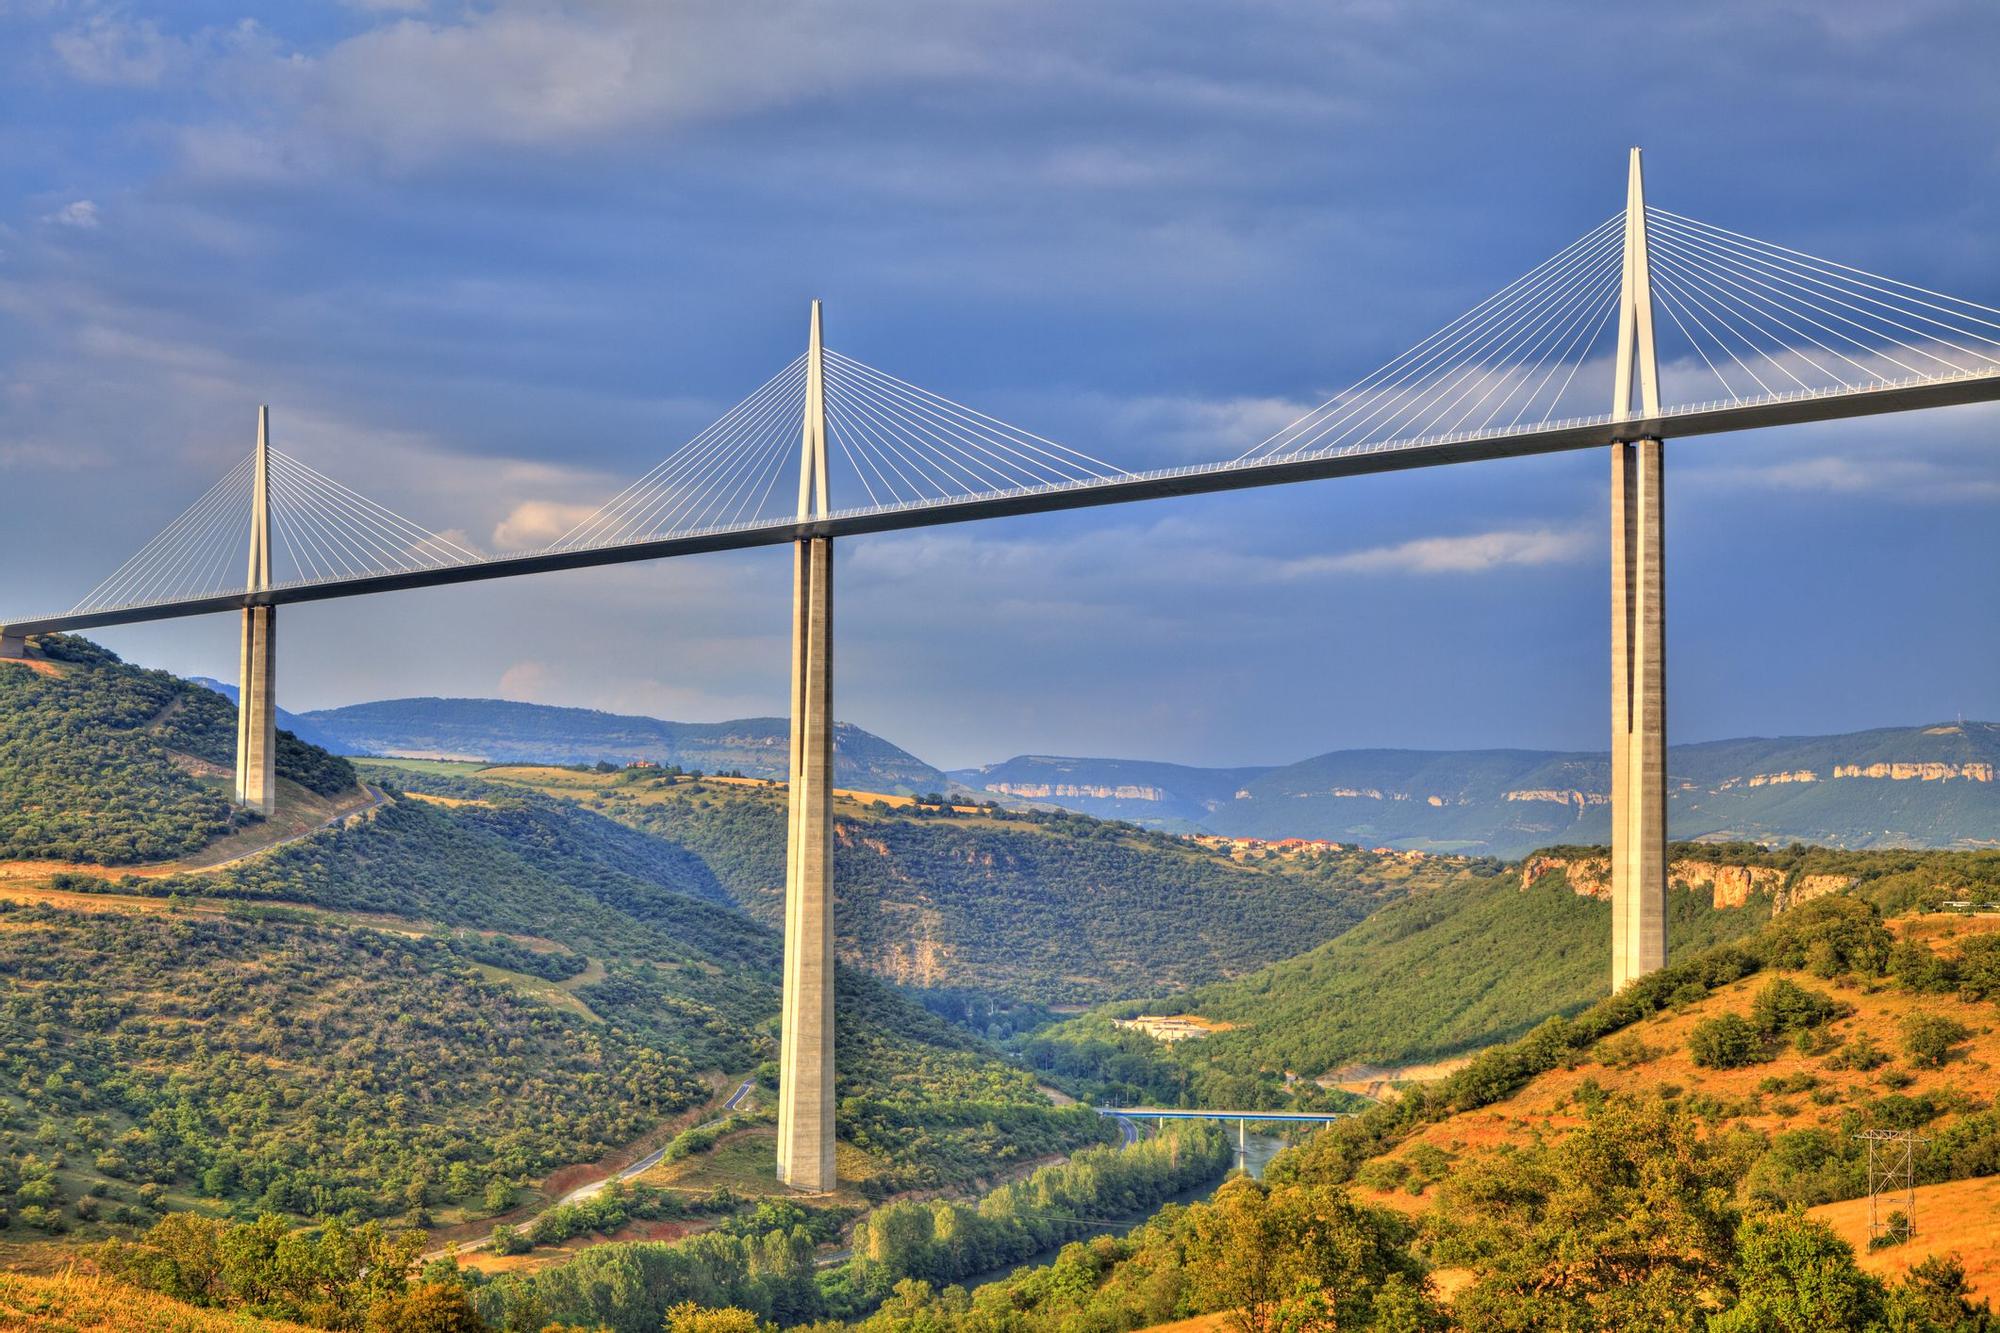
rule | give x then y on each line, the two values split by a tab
1705	419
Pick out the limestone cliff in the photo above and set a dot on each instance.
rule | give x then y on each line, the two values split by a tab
1728	885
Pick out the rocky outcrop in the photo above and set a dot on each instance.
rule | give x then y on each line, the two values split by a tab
1779	779
1916	772
1579	799
1727	885
1042	791
1588	877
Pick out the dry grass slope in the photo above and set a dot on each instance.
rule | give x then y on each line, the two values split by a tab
80	1303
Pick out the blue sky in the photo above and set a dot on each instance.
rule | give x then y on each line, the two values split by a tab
487	263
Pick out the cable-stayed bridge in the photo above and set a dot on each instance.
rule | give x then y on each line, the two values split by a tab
1699	328
1749	334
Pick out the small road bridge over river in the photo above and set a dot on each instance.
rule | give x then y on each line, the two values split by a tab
1699	328
1128	1118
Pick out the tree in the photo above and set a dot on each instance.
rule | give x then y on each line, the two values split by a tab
1624	1223
1783	1006
1793	1275
434	1307
1935	1298
687	1317
1295	1258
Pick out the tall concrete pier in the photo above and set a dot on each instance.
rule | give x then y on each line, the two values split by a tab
805	1063
256	680
1638	631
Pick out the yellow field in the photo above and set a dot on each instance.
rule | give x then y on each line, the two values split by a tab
1961	1217
77	1303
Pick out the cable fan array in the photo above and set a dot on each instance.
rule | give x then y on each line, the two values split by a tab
1736	320
1510	361
907	445
320	530
1767	320
887	439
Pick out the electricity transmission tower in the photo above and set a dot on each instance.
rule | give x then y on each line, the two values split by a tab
1892	1155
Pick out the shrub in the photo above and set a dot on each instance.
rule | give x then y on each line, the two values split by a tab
1382	1174
1783	1006
1860	1054
1928	1038
1726	1041
1627	1050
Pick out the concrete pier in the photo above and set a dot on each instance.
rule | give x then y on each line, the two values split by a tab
13	645
805	1061
1639	714
1638	628
256	679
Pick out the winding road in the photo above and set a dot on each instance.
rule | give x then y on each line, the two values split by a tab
596	1187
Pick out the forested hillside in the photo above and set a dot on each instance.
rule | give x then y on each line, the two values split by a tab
1617	1170
417	1012
110	764
1452	969
1047	907
394	1016
1670	1157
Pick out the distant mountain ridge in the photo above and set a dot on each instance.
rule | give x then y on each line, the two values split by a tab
1135	789
1919	786
291	722
1931	786
507	731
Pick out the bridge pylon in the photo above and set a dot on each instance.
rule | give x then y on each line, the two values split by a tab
1638	627
805	1063
256	679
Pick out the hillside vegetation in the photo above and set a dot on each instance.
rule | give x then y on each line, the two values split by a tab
1044	907
104	763
1611	1198
1629	1200
1450	969
417	1013
546	1008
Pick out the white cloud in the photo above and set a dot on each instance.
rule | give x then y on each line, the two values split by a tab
1917	479
527	682
525	74
81	214
1474	553
533	524
1182	554
117	53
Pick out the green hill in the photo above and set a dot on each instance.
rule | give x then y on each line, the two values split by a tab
503	731
1463	965
111	764
416	1013
1042	907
